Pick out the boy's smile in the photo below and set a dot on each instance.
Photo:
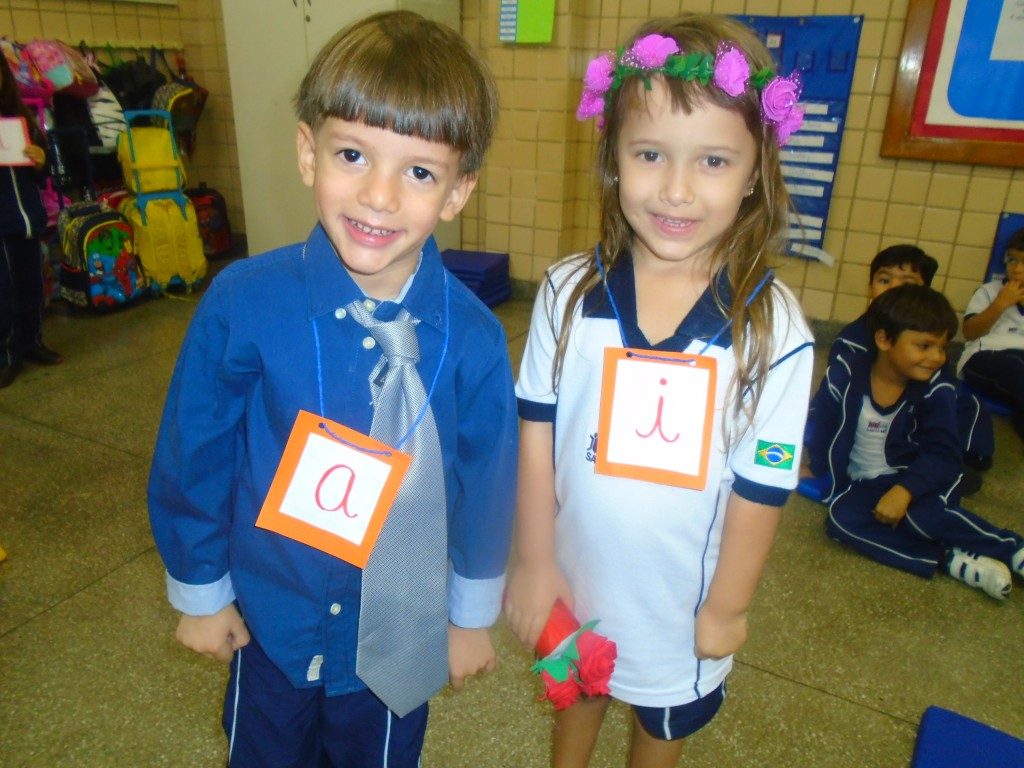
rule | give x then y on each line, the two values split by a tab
913	356
379	196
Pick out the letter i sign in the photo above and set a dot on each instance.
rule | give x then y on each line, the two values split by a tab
656	416
333	488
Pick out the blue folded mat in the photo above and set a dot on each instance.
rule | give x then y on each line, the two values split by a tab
485	274
948	740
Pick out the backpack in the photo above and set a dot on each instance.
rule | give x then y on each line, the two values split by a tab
98	270
212	213
185	110
149	156
167	235
133	82
27	78
62	67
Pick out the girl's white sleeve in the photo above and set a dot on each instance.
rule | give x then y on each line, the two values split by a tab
535	390
765	459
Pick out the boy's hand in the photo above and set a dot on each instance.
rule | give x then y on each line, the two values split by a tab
892	507
719	634
530	596
469	652
217	636
1011	293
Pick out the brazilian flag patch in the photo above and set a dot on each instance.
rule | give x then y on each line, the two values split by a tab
775	455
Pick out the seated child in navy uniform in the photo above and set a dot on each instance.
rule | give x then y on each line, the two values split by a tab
887	437
993	358
894	266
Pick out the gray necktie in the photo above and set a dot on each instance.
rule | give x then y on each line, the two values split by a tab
403	618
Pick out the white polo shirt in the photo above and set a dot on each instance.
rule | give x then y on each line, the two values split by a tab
1007	332
638	555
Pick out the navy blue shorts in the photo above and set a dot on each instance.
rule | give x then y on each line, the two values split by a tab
671	723
270	722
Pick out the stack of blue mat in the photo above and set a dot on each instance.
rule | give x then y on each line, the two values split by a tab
949	740
485	274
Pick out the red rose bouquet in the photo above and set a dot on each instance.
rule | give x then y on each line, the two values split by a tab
573	659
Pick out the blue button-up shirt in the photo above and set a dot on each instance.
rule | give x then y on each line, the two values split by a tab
249	363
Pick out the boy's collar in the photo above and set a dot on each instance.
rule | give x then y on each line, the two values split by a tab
330	286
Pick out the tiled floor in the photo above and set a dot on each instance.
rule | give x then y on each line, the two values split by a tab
844	655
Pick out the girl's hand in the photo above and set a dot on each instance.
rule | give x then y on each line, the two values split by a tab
217	636
719	635
529	597
36	154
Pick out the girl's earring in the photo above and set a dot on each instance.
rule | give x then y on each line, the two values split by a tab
750	191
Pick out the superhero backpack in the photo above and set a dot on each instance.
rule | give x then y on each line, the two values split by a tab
98	269
212	214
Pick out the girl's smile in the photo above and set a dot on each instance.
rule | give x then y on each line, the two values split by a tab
682	177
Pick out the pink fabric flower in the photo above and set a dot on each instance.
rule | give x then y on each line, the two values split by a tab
596	663
650	52
731	70
591	105
779	97
779	105
561	694
789	125
599	73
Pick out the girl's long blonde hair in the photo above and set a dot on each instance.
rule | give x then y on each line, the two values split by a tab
756	236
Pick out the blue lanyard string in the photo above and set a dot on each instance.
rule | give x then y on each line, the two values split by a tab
430	393
618	316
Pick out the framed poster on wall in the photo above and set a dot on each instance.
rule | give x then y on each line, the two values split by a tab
959	90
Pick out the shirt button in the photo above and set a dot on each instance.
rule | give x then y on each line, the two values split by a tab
369	343
340	313
335	609
370	304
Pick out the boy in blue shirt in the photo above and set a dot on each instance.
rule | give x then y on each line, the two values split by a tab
395	115
887	436
892	267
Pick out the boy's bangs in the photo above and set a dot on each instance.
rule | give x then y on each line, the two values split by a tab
402	117
402	102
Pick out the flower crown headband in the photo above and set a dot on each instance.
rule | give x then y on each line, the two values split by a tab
728	69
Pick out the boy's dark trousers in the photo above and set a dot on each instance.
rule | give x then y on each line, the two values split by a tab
269	723
21	297
919	542
999	374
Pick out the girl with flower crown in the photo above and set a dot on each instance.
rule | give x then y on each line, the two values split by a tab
665	381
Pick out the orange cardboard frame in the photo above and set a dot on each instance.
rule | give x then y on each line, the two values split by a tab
612	357
272	518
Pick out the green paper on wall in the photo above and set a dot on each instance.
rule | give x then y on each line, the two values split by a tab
526	21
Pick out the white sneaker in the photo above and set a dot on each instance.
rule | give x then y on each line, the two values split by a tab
981	572
1018	562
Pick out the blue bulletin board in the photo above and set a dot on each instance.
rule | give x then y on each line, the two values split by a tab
824	49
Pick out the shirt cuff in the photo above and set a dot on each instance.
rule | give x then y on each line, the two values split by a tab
769	495
530	410
200	599
474	603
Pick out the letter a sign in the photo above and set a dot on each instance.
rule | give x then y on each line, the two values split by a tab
333	488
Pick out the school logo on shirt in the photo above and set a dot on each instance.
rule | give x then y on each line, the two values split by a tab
774	455
592	448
